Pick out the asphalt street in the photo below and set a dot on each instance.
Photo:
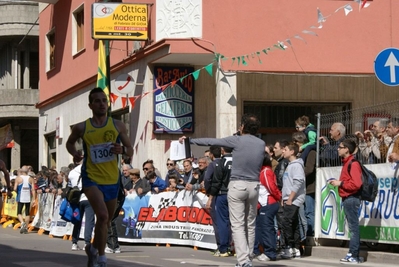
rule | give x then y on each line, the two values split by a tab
43	251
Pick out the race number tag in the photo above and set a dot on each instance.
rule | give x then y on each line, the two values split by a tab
101	153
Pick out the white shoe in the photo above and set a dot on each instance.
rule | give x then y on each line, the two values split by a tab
287	253
75	247
262	257
296	253
108	250
117	250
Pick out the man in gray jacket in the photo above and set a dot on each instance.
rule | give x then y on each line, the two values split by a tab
243	189
293	196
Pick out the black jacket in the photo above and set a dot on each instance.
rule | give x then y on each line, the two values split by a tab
221	176
279	171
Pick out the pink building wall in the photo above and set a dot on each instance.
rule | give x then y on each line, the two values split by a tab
345	44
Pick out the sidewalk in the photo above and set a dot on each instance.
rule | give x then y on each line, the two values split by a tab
332	249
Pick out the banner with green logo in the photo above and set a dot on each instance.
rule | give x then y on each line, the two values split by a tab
378	220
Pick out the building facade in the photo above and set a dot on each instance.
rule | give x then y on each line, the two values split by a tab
279	59
19	82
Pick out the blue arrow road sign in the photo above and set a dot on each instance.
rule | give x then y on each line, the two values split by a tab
386	66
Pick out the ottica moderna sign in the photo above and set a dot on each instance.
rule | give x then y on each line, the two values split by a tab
117	21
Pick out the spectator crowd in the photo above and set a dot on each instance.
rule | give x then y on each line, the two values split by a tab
286	183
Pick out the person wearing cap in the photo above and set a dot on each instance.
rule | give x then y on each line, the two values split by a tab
136	184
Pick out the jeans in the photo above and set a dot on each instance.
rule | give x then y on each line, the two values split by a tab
223	222
309	212
265	234
302	222
351	208
112	238
243	199
290	226
212	213
85	208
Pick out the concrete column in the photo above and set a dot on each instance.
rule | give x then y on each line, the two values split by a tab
26	65
14	68
226	103
16	150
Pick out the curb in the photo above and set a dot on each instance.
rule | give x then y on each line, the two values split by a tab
334	249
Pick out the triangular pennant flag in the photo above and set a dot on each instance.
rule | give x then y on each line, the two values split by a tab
320	17
167	145
223	57
173	83
208	69
182	78
264	51
280	45
132	101
365	4
196	74
257	54
232	62
124	100
309	32
243	61
288	41
232	101
113	97
348	9
238	61
300	38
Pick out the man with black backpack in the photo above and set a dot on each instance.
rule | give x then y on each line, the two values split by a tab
349	185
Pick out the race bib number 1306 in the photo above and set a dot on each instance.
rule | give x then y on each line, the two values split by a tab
101	153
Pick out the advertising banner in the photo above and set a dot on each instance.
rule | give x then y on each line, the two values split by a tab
175	217
117	21
378	220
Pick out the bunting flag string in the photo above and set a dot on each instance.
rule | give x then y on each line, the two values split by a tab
280	45
244	59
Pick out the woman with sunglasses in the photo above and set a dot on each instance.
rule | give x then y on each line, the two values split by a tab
349	184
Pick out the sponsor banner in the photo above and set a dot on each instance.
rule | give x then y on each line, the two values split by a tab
44	212
11	206
168	217
378	220
58	226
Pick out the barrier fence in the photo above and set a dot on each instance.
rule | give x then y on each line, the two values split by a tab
172	217
360	121
379	219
